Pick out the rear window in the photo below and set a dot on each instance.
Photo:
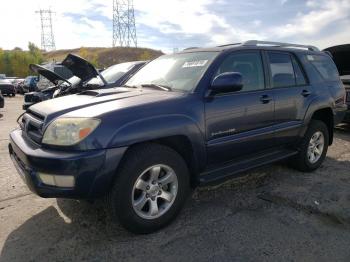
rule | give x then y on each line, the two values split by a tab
325	66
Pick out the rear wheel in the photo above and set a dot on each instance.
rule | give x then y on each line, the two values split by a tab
313	148
150	189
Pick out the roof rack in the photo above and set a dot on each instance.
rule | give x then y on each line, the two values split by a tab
189	48
278	44
229	44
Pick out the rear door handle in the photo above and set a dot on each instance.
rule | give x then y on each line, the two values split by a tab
305	93
265	99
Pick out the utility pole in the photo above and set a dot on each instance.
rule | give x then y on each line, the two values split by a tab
47	37
124	29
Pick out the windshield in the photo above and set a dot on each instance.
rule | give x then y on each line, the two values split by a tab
112	73
177	71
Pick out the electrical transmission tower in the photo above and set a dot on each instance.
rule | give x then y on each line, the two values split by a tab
124	30
47	38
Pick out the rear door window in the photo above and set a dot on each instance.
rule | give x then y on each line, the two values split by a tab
282	71
325	66
299	76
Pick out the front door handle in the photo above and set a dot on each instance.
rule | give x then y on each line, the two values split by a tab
305	93
265	99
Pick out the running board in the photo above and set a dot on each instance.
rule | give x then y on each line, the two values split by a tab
233	169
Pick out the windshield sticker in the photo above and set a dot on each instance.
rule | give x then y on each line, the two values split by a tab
195	63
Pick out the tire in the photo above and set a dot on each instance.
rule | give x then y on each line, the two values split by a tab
139	164
304	161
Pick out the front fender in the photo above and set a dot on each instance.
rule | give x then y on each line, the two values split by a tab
157	127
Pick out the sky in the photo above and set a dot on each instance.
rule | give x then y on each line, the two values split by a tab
168	24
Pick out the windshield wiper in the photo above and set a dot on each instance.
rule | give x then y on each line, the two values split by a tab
162	87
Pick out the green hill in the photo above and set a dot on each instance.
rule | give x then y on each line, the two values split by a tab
16	62
103	56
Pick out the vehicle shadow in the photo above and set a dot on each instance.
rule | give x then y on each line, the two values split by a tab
78	230
217	223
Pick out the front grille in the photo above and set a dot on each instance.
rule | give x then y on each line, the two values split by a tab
32	124
348	96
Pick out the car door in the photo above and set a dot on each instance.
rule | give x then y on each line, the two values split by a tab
291	92
240	123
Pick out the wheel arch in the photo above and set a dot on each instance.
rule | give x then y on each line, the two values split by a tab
179	132
324	114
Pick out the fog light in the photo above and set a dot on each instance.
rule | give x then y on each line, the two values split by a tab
55	180
47	179
64	181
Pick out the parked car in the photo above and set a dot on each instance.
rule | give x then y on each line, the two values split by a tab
20	88
92	78
341	57
196	117
30	84
16	83
7	88
56	68
113	76
58	83
2	100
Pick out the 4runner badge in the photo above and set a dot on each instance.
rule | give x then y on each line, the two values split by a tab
225	132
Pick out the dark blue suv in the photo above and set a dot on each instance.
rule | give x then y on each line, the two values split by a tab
187	119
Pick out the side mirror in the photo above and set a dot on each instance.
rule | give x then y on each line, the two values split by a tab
226	83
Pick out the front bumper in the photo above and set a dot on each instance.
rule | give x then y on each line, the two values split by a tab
93	170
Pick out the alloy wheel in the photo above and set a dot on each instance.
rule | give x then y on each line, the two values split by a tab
154	191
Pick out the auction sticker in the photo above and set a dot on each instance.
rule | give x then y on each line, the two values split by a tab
195	63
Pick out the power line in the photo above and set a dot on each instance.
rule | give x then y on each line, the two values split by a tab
47	37
124	29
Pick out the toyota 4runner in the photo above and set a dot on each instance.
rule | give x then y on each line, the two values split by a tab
192	118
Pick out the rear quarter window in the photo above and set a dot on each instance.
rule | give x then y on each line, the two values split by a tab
325	66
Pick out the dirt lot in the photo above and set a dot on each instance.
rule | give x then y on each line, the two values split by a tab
271	214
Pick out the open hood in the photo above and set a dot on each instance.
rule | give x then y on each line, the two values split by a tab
81	68
341	57
48	74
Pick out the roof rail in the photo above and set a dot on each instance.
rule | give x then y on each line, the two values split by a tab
256	42
189	48
229	44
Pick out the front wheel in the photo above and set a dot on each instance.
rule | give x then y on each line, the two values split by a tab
150	189
313	147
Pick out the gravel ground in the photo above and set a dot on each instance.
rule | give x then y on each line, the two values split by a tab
271	214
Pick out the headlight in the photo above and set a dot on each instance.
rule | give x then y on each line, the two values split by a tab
69	131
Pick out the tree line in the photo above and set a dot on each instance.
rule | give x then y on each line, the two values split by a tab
16	62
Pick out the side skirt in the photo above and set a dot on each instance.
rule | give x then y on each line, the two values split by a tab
216	175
